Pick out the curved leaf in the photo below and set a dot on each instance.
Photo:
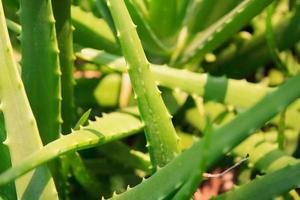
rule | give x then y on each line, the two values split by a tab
109	128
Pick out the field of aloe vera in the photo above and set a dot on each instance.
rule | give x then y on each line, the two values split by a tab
149	99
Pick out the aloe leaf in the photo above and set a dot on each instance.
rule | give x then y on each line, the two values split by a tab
162	17
83	175
41	72
200	15
166	20
15	106
83	119
236	131
196	176
260	187
96	133
219	32
264	155
74	162
126	156
105	13
159	129
255	52
271	40
40	66
204	13
239	93
189	187
62	14
182	9
104	40
93	32
200	10
219	10
151	41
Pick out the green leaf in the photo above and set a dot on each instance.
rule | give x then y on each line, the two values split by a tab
99	132
83	119
162	17
228	136
93	32
64	30
160	133
152	43
239	93
219	32
255	53
41	72
22	134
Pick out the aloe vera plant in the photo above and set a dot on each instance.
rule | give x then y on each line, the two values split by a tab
164	109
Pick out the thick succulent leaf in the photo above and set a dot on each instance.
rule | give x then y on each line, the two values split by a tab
255	53
22	133
202	14
124	155
152	43
219	32
228	136
83	119
64	30
93	32
160	132
105	13
239	125
264	155
162	18
106	129
40	66
239	93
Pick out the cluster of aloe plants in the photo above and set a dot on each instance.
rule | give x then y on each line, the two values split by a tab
143	99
